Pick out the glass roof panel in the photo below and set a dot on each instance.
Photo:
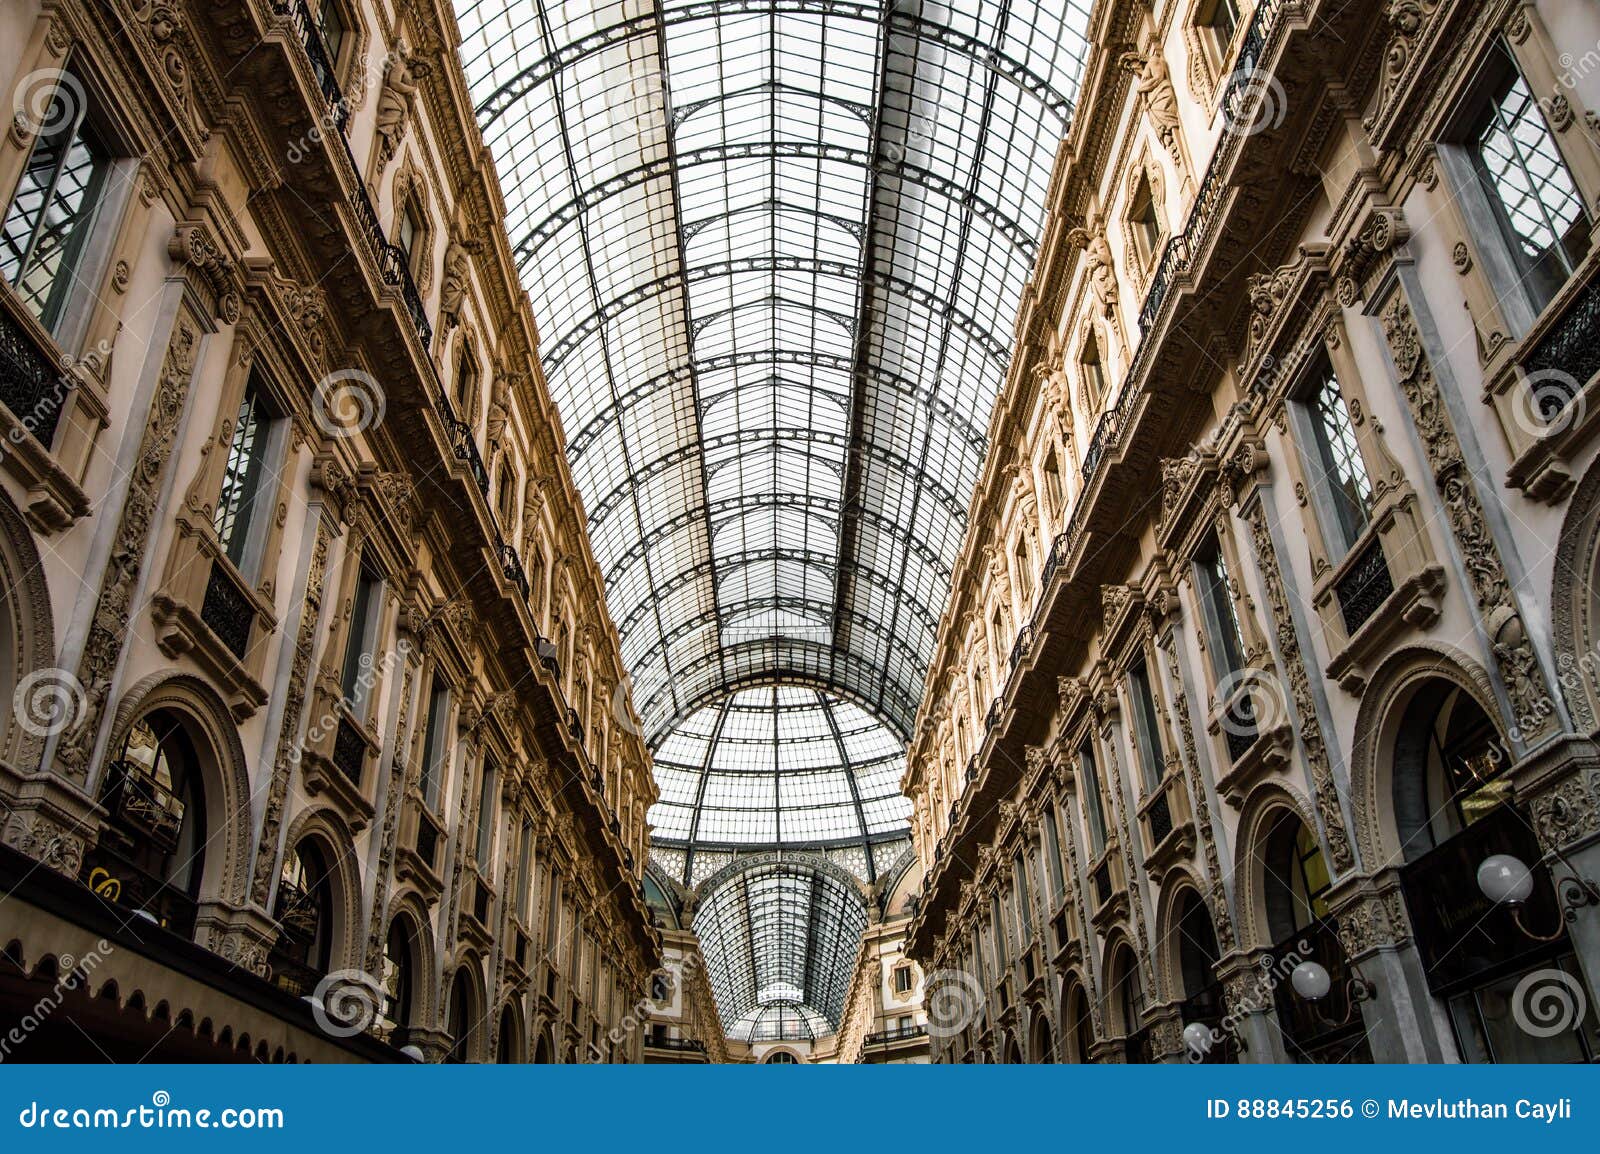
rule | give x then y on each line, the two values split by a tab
707	198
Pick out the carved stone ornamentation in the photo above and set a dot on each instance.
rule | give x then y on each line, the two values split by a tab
1218	903
1329	806
289	732
1480	558
114	608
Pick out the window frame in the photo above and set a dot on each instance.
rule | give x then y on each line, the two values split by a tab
1336	511
1507	269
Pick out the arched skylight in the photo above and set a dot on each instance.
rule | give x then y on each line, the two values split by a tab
779	766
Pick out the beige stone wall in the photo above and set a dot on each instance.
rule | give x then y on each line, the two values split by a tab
251	232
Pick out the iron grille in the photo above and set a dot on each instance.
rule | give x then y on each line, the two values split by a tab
1159	815
1365	586
1569	347
227	611
349	750
1240	739
30	386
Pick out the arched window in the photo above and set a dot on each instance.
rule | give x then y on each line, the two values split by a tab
463	1017
399	981
506	1041
1081	1024
151	855
1450	768
780	1058
304	908
1202	990
1297	879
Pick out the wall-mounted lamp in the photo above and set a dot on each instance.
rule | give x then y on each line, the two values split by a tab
1312	982
1506	880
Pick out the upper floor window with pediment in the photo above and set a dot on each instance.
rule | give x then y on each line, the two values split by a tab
1144	220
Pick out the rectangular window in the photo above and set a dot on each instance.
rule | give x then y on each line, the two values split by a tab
1146	224
359	675
552	912
331	26
525	872
1341	474
997	922
1536	204
1094	375
52	214
1019	870
486	815
1223	21
1222	623
1093	815
1052	484
466	381
902	979
434	745
1052	838
243	477
1147	735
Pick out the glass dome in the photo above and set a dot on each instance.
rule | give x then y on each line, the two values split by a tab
779	766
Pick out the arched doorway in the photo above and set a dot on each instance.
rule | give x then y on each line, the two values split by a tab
1043	1046
1080	1024
398	981
1453	808
1013	1053
462	1021
1295	889
1203	1002
1125	1000
508	1040
151	855
304	909
543	1052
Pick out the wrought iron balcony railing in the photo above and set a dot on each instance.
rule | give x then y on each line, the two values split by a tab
227	611
1364	587
31	385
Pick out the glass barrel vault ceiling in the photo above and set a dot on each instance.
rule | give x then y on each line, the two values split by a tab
779	766
775	249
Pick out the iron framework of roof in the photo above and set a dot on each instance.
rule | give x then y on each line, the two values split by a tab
776	248
780	937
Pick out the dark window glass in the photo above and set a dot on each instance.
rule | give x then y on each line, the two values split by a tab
1146	735
358	656
1227	643
1092	812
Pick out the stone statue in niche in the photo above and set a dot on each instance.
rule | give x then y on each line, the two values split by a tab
394	103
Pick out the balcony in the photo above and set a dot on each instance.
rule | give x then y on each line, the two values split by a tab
1166	823
1022	646
228	611
896	1034
110	872
1108	883
1363	587
32	384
